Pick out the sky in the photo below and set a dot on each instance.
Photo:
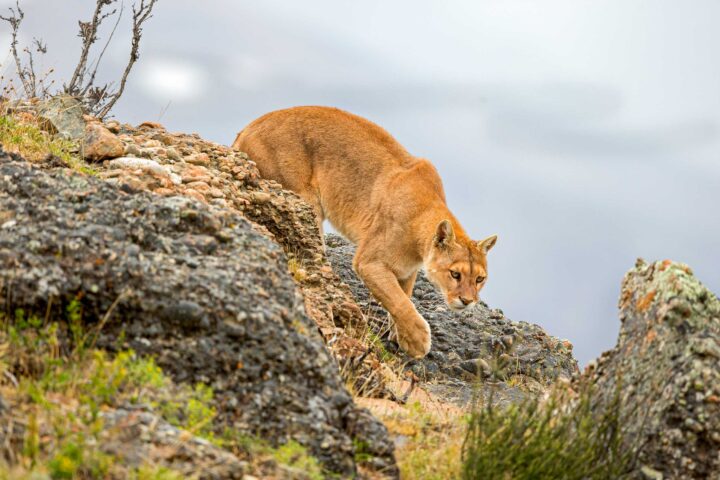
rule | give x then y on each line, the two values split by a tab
585	134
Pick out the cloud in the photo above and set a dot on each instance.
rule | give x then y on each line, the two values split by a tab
171	79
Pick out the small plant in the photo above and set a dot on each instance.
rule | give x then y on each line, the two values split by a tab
75	460
291	455
378	346
191	409
561	437
23	135
155	473
74	318
294	455
296	269
433	441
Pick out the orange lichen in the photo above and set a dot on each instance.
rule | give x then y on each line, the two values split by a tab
643	304
665	264
650	336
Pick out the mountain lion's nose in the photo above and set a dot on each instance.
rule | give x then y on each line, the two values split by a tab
466	301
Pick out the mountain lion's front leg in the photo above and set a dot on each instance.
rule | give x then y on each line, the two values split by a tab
413	332
408	284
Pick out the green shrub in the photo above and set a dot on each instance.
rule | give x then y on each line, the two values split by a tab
191	409
562	437
295	456
77	459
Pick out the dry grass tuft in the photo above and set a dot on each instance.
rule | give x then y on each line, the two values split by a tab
429	436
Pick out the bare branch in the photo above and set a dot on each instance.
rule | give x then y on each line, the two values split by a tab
40	46
140	16
91	81
29	73
97	100
15	19
88	33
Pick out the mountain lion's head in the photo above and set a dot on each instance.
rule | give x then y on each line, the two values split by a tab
458	267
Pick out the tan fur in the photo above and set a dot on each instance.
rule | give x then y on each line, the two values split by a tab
388	202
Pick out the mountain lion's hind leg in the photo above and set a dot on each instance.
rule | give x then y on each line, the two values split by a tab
413	332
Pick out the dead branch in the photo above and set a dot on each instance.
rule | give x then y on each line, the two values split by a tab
91	81
97	100
88	33
140	16
15	19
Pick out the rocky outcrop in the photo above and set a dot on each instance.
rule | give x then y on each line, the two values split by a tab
666	370
193	285
467	346
179	164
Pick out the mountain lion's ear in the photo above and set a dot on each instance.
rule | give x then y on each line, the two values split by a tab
487	244
444	234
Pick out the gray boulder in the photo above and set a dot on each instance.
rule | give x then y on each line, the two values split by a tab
195	287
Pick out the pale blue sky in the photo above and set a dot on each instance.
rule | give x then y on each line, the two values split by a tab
584	133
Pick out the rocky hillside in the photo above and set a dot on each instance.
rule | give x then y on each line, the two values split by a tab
177	313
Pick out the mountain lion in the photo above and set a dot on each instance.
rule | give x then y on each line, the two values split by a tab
386	201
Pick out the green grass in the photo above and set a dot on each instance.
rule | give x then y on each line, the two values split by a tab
561	437
60	400
295	456
22	134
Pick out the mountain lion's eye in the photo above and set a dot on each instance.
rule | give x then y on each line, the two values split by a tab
455	275
480	279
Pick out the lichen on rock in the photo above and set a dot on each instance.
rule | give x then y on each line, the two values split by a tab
666	368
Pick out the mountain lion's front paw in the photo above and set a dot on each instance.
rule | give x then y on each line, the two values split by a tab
415	341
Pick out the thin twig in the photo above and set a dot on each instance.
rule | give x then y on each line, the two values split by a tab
91	81
15	20
140	16
106	317
11	377
88	33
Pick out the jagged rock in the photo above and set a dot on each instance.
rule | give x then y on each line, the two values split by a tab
63	115
192	285
463	344
100	143
666	369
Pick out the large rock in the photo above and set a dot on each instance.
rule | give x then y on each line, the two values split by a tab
192	285
465	345
666	368
63	115
100	143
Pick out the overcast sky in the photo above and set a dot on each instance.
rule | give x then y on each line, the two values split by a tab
585	134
